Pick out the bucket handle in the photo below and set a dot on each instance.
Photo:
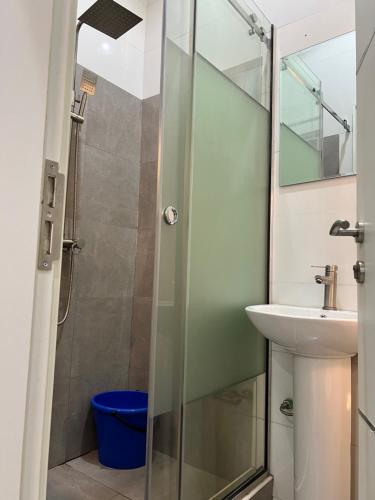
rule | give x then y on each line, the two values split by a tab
133	427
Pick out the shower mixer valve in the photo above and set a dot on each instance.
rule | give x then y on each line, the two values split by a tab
74	244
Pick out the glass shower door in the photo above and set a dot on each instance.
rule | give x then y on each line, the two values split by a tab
207	418
169	304
224	425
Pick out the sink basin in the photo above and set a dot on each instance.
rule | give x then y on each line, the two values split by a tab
307	331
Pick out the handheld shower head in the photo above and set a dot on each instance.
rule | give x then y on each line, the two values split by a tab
110	18
88	82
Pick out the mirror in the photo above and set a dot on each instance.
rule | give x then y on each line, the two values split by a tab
317	110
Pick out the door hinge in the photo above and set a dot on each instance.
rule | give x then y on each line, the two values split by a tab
51	218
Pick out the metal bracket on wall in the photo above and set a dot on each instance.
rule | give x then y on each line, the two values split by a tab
51	219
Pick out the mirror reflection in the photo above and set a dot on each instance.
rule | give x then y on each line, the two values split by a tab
317	110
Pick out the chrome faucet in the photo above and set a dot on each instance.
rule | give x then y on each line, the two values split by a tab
329	280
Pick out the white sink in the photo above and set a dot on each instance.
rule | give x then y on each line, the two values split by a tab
306	331
322	343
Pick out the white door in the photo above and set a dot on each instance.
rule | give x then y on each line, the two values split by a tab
36	54
365	12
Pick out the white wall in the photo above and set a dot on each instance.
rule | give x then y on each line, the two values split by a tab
291	11
24	52
133	61
152	49
301	218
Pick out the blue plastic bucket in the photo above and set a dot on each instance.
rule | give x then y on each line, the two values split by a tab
121	427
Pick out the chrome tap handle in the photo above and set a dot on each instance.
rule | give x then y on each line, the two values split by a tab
341	228
319	279
329	280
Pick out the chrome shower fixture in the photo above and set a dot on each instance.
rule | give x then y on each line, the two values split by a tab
109	18
113	20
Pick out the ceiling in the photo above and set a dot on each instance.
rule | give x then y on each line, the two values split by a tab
281	12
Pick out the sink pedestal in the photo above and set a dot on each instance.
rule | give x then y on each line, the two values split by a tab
322	428
322	342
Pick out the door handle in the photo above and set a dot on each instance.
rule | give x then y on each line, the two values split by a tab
342	228
170	215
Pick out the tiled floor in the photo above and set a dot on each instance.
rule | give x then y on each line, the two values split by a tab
86	479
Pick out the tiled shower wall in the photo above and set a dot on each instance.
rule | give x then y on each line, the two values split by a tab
144	270
104	343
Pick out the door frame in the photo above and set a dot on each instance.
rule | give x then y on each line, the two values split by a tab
34	469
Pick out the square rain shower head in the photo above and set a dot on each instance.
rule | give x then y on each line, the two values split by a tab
110	18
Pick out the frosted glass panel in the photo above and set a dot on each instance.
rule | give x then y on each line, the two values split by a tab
299	161
224	39
225	355
228	238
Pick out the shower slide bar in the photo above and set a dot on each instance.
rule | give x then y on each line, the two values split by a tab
343	122
337	117
251	20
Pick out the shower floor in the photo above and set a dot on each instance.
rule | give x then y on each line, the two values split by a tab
84	478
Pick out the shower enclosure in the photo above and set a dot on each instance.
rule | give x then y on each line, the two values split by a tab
208	387
170	192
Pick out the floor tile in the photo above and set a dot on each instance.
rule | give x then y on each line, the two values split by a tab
65	483
130	483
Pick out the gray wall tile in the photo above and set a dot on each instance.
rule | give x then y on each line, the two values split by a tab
141	329
144	269
150	129
60	406
113	121
58	437
147	195
93	347
107	263
109	188
138	379
80	435
140	344
102	337
101	347
140	349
